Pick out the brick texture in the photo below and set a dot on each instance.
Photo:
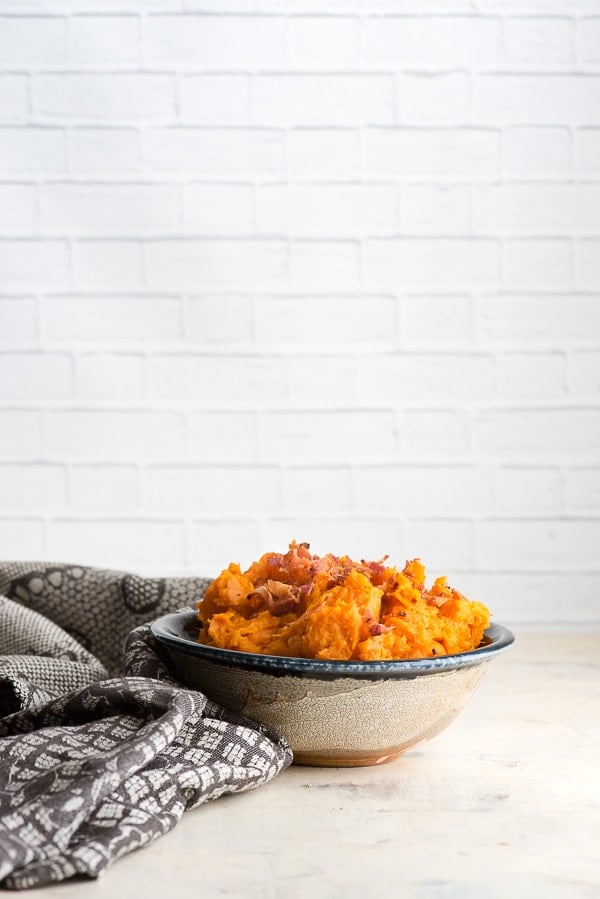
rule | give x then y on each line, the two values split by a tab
272	271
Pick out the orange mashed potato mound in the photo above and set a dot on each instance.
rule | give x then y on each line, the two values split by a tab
331	607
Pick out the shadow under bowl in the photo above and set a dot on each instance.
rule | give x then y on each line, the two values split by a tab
332	713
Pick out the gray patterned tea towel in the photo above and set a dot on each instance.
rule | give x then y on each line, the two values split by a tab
101	750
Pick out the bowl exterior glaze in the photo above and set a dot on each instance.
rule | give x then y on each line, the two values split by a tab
341	722
329	716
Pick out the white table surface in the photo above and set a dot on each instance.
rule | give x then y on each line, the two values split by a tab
504	803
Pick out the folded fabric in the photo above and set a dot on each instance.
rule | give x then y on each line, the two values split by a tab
101	750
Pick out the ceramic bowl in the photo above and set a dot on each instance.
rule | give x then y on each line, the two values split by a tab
333	713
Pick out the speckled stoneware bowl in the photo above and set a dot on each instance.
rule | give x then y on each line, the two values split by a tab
333	713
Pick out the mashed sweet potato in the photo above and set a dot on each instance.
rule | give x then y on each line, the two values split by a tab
331	607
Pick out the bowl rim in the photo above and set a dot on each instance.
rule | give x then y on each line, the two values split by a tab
172	629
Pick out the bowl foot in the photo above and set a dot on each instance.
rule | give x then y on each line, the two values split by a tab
315	760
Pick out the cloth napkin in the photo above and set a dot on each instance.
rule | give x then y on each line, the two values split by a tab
101	749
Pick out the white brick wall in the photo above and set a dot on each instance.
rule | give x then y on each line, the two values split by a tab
277	268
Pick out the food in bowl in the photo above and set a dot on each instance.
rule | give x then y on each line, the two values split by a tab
352	662
331	607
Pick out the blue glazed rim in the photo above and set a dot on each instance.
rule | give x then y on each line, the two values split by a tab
178	631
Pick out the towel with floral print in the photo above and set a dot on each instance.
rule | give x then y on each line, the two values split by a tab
101	749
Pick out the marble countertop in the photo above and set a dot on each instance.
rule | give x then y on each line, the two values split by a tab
504	803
